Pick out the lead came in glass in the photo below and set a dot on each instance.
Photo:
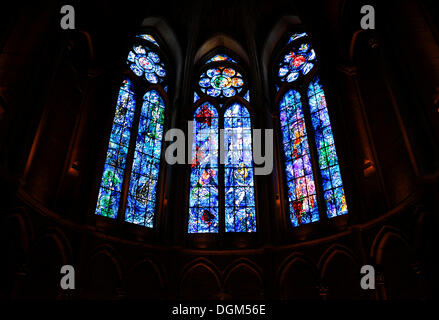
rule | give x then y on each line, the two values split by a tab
299	175
112	178
299	61
142	192
141	202
203	200
328	161
240	213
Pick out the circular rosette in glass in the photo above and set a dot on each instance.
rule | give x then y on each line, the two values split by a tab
221	82
299	60
146	63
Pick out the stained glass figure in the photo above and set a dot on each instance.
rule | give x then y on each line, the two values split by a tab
299	174
146	63
328	161
115	163
221	82
203	201
141	203
240	213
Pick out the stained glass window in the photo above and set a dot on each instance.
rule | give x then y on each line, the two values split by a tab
299	60
233	201
240	213
295	107
203	204
221	82
145	170
136	199
299	175
146	63
327	156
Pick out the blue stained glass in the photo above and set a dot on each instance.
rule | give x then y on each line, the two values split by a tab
296	36
203	199
149	38
196	97
328	161
300	180
240	213
145	62
141	202
247	96
112	177
222	82
296	62
220	57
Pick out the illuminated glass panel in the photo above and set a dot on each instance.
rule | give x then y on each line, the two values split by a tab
141	203
299	174
149	38
247	96
203	201
112	178
240	213
328	161
220	57
146	63
299	60
296	36
221	82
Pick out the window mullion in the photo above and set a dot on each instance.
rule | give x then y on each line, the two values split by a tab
130	156
221	176
314	157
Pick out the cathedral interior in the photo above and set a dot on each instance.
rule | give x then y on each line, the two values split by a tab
61	97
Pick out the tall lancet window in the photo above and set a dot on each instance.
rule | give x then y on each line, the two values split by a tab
312	172
130	178
222	195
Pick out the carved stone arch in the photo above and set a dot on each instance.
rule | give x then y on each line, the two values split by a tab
380	240
16	236
46	256
222	40
146	279
62	240
25	226
359	38
398	271
201	287
272	42
329	254
340	273
250	281
298	285
173	50
89	40
103	274
113	254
